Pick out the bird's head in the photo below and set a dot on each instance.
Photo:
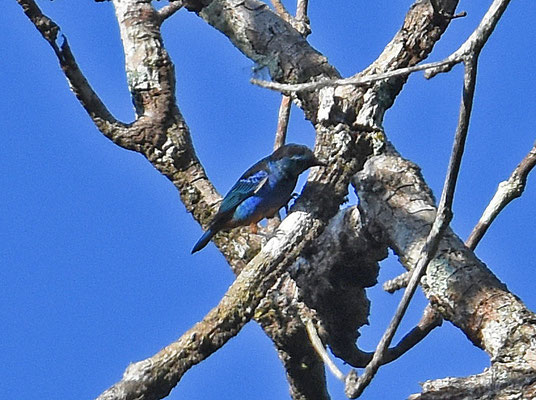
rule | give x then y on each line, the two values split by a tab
296	158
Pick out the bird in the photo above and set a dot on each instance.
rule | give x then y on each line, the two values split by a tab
261	191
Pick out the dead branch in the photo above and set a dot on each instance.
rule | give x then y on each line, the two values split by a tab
357	81
154	377
397	283
472	45
441	222
507	191
103	119
395	199
471	51
286	101
282	11
168	10
341	140
319	347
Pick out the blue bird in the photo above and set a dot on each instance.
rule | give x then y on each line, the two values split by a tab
261	191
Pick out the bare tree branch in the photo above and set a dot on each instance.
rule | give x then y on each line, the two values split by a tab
507	191
286	101
319	347
282	121
495	382
477	40
301	22
91	102
441	222
473	44
301	12
397	202
469	53
357	80
397	283
282	11
154	378
430	320
170	9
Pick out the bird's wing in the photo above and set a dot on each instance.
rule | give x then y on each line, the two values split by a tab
248	184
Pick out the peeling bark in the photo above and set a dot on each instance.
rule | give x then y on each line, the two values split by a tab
320	258
493	384
400	210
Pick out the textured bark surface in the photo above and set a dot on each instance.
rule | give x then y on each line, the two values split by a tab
174	155
400	209
332	277
494	383
321	258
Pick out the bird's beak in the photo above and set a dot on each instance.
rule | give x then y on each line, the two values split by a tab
318	163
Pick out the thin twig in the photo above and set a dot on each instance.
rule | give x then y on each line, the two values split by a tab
286	101
400	282
301	9
301	22
474	43
430	320
444	215
167	11
356	80
507	191
319	347
282	122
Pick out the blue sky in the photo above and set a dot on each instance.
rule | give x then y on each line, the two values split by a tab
96	270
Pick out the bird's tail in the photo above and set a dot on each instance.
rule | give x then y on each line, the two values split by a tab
204	240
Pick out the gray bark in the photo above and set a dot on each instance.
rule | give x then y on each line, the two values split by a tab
321	258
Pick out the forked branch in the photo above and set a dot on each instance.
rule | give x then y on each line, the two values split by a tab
472	45
468	53
96	109
355	387
507	191
430	320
